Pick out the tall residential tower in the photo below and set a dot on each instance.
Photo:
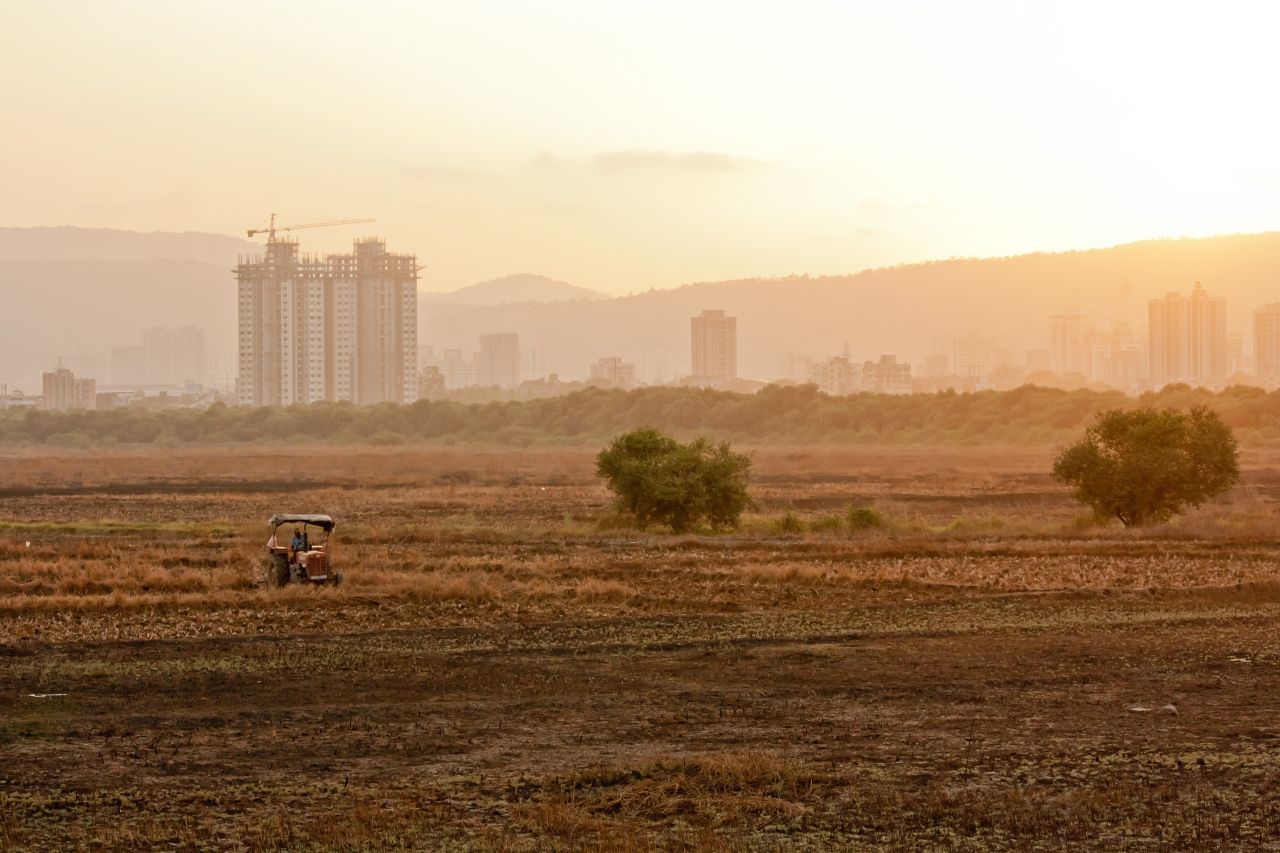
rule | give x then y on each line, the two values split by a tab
1266	345
339	327
1188	339
714	349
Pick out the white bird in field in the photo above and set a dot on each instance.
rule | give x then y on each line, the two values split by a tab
28	543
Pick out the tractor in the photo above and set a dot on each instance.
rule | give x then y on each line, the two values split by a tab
310	560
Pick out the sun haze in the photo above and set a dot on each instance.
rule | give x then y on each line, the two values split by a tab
700	425
628	146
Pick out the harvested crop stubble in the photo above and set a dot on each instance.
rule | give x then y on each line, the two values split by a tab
499	672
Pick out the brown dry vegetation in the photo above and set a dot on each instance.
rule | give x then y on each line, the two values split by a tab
507	666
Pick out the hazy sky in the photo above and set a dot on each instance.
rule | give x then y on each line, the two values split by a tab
624	146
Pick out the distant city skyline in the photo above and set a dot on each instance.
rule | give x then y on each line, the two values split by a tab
931	316
1186	340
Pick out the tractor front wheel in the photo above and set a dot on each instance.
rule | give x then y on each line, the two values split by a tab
278	570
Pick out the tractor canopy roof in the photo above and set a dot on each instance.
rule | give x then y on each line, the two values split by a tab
322	521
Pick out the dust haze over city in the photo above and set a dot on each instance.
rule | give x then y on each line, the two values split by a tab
709	426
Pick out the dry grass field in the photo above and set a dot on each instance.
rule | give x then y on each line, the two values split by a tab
508	666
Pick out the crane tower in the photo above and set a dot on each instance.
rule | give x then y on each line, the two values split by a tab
326	327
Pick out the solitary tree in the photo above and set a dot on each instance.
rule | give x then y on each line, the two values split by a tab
658	480
1147	465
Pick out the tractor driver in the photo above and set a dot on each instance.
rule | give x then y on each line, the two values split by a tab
297	544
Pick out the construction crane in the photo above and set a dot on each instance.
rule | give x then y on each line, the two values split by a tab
271	229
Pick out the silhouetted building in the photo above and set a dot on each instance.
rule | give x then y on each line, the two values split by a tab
1187	339
614	372
64	392
174	356
166	357
1068	344
837	375
17	399
886	376
715	349
800	368
499	360
1266	345
1236	359
937	365
341	327
972	356
533	361
456	370
654	367
1115	359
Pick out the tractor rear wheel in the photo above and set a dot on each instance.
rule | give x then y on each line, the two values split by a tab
278	570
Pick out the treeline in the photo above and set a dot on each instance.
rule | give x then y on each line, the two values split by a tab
1029	415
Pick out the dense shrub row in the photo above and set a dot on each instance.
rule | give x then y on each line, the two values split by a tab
1027	415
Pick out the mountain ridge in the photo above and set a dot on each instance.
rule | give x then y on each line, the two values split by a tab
70	242
907	310
517	287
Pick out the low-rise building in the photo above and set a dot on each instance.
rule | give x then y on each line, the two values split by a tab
456	370
837	375
64	392
886	376
613	372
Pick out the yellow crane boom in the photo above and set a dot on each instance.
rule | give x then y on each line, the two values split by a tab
271	229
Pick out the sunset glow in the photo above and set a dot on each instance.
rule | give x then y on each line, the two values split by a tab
624	147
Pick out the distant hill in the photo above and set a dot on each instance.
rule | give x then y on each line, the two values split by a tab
56	308
68	290
72	292
521	287
106	244
901	310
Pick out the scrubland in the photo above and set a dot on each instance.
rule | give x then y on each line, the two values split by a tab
780	416
901	648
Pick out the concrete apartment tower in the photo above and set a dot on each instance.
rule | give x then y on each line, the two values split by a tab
613	372
973	356
1266	345
341	327
63	391
1068	343
715	349
499	362
1187	338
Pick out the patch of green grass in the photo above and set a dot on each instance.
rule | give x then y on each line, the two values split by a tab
788	524
831	523
110	526
865	518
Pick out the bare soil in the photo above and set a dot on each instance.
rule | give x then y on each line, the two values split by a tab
503	669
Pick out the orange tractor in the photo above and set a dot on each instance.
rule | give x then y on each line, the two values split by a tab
304	555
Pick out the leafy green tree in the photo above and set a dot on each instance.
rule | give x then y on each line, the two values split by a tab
1145	466
658	480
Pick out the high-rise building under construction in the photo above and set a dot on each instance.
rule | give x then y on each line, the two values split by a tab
337	327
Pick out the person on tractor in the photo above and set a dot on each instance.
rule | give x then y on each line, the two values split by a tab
297	544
